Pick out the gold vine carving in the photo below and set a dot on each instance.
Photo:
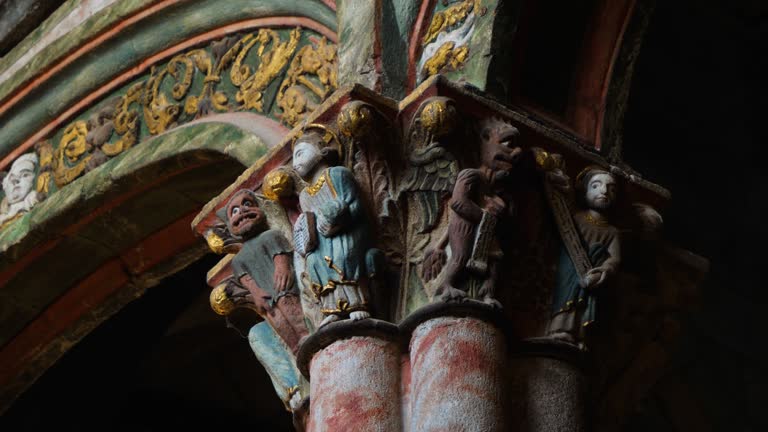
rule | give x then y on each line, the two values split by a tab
449	17
190	86
445	45
312	71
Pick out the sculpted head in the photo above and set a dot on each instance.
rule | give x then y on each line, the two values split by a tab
244	217
499	150
312	152
20	180
599	189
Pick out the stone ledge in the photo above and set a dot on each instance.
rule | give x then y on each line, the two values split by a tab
550	348
465	309
341	330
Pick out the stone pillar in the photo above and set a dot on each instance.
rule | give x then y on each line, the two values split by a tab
548	387
457	354
354	377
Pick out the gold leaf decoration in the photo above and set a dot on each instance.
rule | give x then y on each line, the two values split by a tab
45	157
445	42
449	17
272	63
313	69
158	113
72	154
445	56
187	87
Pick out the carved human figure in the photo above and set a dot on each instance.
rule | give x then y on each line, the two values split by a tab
332	233
475	207
574	300
18	185
264	267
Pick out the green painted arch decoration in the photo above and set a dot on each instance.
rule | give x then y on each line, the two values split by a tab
193	60
132	213
161	155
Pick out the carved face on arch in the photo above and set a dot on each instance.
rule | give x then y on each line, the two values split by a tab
244	217
499	150
19	181
601	190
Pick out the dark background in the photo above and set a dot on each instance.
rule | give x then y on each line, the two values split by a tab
695	124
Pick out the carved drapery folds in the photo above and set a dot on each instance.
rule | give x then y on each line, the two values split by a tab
451	204
281	73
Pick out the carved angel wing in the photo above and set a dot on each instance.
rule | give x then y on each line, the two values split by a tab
432	174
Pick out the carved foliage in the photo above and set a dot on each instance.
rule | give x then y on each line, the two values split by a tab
311	77
446	42
236	73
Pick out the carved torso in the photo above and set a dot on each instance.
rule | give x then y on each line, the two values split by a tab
256	259
594	232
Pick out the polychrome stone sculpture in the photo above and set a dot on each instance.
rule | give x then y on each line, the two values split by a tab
264	266
332	233
476	205
574	298
18	186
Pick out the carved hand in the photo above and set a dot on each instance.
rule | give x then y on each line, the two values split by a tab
325	227
595	277
494	204
283	277
331	217
559	180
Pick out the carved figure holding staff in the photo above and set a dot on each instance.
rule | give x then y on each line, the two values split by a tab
582	271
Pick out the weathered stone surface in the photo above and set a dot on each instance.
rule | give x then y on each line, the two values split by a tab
456	376
357	43
355	386
547	394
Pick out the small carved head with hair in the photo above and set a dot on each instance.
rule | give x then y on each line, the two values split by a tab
244	217
313	151
599	188
20	180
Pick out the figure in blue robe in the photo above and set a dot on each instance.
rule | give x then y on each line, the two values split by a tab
333	235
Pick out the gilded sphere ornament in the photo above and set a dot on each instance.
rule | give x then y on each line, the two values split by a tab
215	243
438	116
220	302
355	119
277	184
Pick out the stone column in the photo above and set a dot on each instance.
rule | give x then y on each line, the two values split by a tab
354	377
457	354
548	387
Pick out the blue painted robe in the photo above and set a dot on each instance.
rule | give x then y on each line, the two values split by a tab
343	257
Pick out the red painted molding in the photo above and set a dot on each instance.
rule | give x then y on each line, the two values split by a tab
417	33
602	44
21	351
